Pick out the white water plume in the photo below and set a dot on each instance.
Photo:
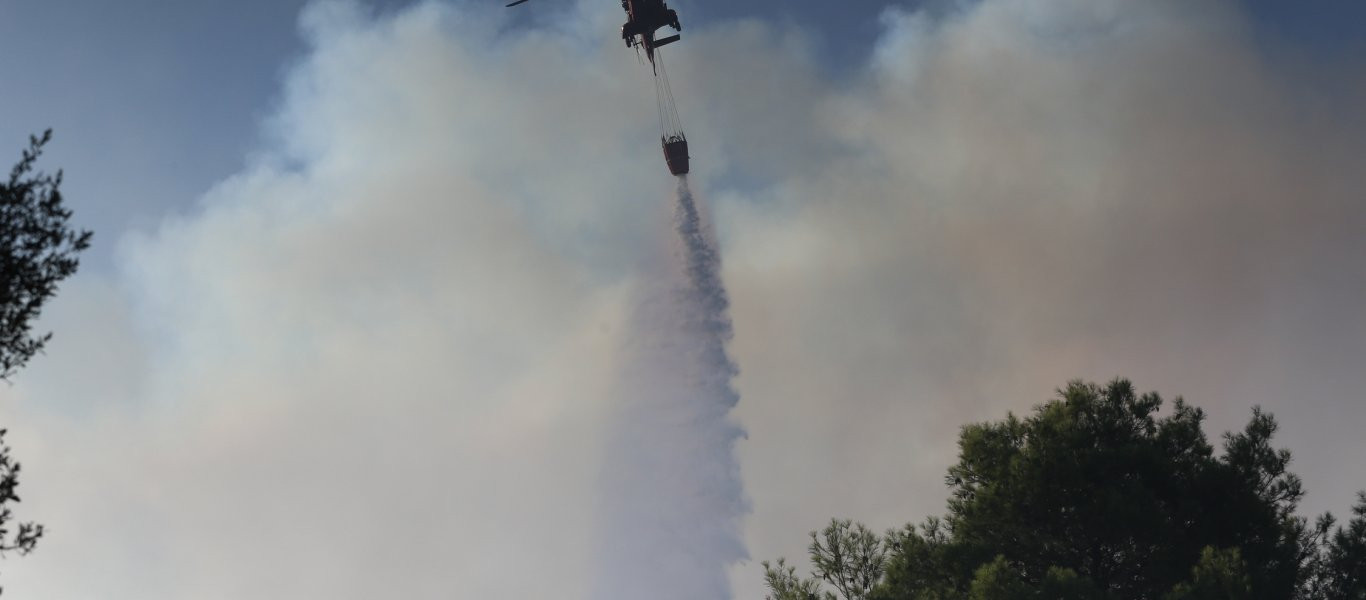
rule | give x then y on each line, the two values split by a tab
672	516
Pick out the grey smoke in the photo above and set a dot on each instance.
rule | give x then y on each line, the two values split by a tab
672	491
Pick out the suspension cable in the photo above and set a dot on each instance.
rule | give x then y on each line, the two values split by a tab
669	122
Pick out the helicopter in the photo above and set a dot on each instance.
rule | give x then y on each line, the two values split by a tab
644	19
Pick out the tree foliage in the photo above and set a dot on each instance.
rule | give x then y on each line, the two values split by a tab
849	557
38	249
1095	495
784	584
1340	558
26	535
1220	575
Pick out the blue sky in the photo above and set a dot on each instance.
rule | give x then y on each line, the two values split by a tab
1325	27
152	101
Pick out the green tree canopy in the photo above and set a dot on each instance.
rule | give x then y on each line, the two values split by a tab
1097	495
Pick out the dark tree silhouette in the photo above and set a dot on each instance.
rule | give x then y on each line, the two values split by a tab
26	536
1096	496
38	249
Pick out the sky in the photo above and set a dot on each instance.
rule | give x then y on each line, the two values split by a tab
363	272
183	89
